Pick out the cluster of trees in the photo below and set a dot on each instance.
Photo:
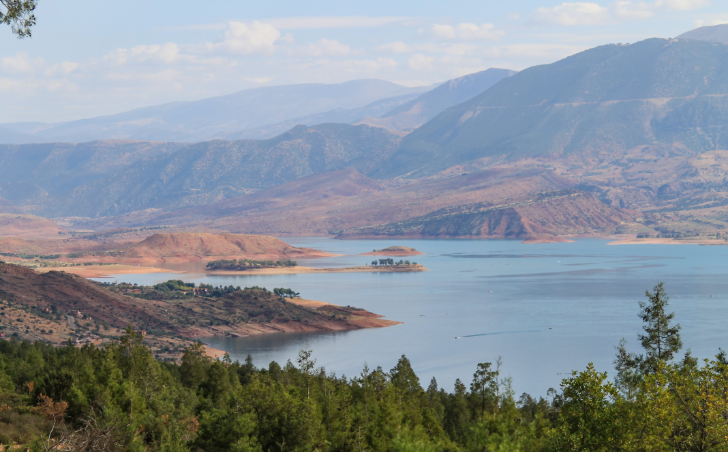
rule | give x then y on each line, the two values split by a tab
289	293
120	398
243	264
390	261
174	285
31	256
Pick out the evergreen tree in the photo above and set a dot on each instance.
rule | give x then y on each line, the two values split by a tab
485	385
660	340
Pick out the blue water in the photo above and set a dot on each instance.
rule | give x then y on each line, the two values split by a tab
546	309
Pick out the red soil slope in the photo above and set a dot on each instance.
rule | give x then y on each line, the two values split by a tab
27	226
191	246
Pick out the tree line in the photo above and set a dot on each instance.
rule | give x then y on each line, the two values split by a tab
244	264
120	398
287	293
390	261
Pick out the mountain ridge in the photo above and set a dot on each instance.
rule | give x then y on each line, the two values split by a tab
610	98
217	116
426	106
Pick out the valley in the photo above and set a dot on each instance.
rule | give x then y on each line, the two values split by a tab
588	153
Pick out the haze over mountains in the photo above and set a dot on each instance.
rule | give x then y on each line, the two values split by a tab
251	113
172	175
416	112
715	33
618	138
607	99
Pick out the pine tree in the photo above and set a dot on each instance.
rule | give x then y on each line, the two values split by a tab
660	340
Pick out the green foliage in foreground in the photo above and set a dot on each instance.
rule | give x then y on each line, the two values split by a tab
120	398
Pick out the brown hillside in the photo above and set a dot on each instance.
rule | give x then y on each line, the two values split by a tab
17	245
39	302
8	207
187	246
567	212
322	204
27	226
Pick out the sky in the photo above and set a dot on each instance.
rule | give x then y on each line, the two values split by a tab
89	58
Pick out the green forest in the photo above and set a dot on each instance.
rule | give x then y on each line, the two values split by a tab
120	398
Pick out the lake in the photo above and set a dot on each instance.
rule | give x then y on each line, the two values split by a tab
546	309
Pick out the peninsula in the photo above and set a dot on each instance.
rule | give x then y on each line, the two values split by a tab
57	307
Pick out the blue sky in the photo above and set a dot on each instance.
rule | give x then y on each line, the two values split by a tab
94	57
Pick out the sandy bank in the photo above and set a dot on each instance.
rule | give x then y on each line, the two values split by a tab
346	319
536	240
214	353
105	271
297	270
668	241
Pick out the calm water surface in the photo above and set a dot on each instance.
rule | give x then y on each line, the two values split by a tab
546	309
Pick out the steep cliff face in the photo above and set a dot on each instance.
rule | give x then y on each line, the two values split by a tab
555	213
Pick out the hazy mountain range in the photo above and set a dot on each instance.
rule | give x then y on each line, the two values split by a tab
607	99
246	114
715	33
640	127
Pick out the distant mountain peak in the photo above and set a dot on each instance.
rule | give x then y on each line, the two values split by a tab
428	105
714	33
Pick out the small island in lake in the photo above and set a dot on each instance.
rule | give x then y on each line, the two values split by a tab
395	251
247	264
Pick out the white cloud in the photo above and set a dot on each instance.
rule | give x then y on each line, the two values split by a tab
247	39
22	62
681	5
586	13
166	53
259	80
420	62
300	23
328	47
395	47
64	68
571	14
450	49
534	51
373	65
463	31
709	23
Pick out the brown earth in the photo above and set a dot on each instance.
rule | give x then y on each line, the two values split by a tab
177	247
27	226
670	241
655	189
189	246
47	298
8	207
329	203
394	251
103	271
